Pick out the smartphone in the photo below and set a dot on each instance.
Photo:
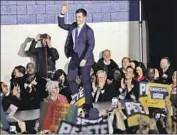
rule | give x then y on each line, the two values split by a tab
114	102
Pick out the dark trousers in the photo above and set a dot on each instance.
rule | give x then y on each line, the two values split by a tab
73	71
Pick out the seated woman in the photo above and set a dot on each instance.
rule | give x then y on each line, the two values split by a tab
9	97
141	72
60	76
54	96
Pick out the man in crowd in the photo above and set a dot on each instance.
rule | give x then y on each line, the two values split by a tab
106	63
126	61
35	85
79	46
129	86
151	76
104	91
46	55
165	71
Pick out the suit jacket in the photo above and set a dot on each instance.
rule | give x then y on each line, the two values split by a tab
169	74
108	68
108	94
52	57
86	41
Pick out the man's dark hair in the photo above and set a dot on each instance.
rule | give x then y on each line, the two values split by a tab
132	69
45	35
166	59
21	69
81	10
30	63
126	58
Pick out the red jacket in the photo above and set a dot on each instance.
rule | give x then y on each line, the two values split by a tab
61	99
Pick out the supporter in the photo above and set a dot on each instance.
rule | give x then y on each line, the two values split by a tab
65	90
140	72
174	89
151	76
46	55
129	87
54	96
94	84
104	92
174	102
106	63
8	97
165	71
125	63
134	64
18	77
116	73
147	127
35	86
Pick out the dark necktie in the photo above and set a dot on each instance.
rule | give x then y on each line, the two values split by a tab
76	40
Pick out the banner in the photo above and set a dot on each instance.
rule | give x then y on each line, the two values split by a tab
79	98
70	128
55	113
83	121
134	110
154	94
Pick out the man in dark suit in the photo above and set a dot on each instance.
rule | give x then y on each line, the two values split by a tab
104	92
165	71
79	46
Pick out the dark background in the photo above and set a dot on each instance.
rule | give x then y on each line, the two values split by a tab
161	17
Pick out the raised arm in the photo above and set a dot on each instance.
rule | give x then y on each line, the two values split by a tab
61	22
33	49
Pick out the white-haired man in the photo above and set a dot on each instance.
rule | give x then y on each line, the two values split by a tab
103	91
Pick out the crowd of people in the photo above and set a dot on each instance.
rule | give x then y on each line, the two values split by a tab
102	81
28	88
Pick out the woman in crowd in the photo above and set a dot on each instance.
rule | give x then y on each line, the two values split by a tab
117	76
140	72
54	96
8	97
65	90
18	77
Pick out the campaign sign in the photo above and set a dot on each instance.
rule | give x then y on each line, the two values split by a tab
70	128
158	94
133	111
83	121
154	94
143	89
79	98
